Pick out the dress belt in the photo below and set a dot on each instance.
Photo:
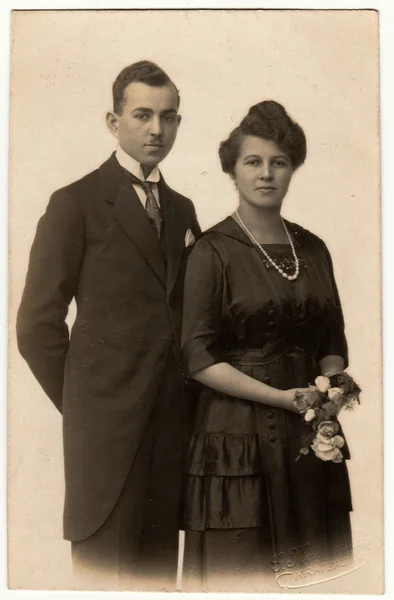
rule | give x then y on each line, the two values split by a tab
261	356
303	335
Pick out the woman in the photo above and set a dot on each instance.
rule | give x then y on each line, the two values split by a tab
262	318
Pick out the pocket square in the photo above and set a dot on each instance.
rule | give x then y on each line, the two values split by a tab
189	238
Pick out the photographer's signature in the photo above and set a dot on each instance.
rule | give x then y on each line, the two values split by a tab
299	568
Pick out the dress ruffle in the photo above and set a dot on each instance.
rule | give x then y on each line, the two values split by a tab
226	502
225	486
225	455
227	483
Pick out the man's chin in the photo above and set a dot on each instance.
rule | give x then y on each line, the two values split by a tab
153	156
150	163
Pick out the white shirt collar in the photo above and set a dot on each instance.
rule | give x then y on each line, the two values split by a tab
134	167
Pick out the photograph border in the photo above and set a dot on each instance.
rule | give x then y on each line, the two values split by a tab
387	214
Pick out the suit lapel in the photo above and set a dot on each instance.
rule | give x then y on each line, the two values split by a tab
175	229
131	216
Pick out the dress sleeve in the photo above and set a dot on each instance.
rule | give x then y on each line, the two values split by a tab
333	340
202	309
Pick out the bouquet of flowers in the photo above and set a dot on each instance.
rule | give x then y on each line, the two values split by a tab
320	407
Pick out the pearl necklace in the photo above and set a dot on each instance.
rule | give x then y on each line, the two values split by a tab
270	260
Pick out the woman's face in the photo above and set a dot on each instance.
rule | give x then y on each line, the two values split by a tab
262	172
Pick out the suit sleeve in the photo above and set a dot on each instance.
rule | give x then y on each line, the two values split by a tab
51	283
196	226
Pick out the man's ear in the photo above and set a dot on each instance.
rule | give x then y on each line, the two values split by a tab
113	123
179	119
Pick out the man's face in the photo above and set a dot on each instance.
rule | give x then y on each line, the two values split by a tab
149	122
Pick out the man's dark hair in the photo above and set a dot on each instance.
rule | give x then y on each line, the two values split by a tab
270	121
144	71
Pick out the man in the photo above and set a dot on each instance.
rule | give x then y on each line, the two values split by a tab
117	242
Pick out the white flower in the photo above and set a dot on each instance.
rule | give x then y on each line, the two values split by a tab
338	457
327	451
335	394
310	415
328	429
322	383
328	448
323	444
338	441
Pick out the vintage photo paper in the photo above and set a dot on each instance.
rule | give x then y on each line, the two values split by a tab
323	67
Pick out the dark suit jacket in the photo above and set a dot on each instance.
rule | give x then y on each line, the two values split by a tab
96	244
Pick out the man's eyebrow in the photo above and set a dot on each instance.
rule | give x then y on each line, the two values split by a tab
142	109
150	111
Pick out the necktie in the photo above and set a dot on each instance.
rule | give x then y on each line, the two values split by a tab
151	207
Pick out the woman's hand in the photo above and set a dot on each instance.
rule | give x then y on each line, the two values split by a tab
289	396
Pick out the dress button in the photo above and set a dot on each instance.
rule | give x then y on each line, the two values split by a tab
271	313
271	325
270	415
272	438
267	336
271	426
267	379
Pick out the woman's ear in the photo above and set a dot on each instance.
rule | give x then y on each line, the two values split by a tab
234	180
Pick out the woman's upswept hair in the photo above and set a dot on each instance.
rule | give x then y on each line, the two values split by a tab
270	121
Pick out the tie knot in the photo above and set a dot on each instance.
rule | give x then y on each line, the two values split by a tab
146	186
152	207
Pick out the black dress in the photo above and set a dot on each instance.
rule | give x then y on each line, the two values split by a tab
250	505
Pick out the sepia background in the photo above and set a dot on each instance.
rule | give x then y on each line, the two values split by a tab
323	66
